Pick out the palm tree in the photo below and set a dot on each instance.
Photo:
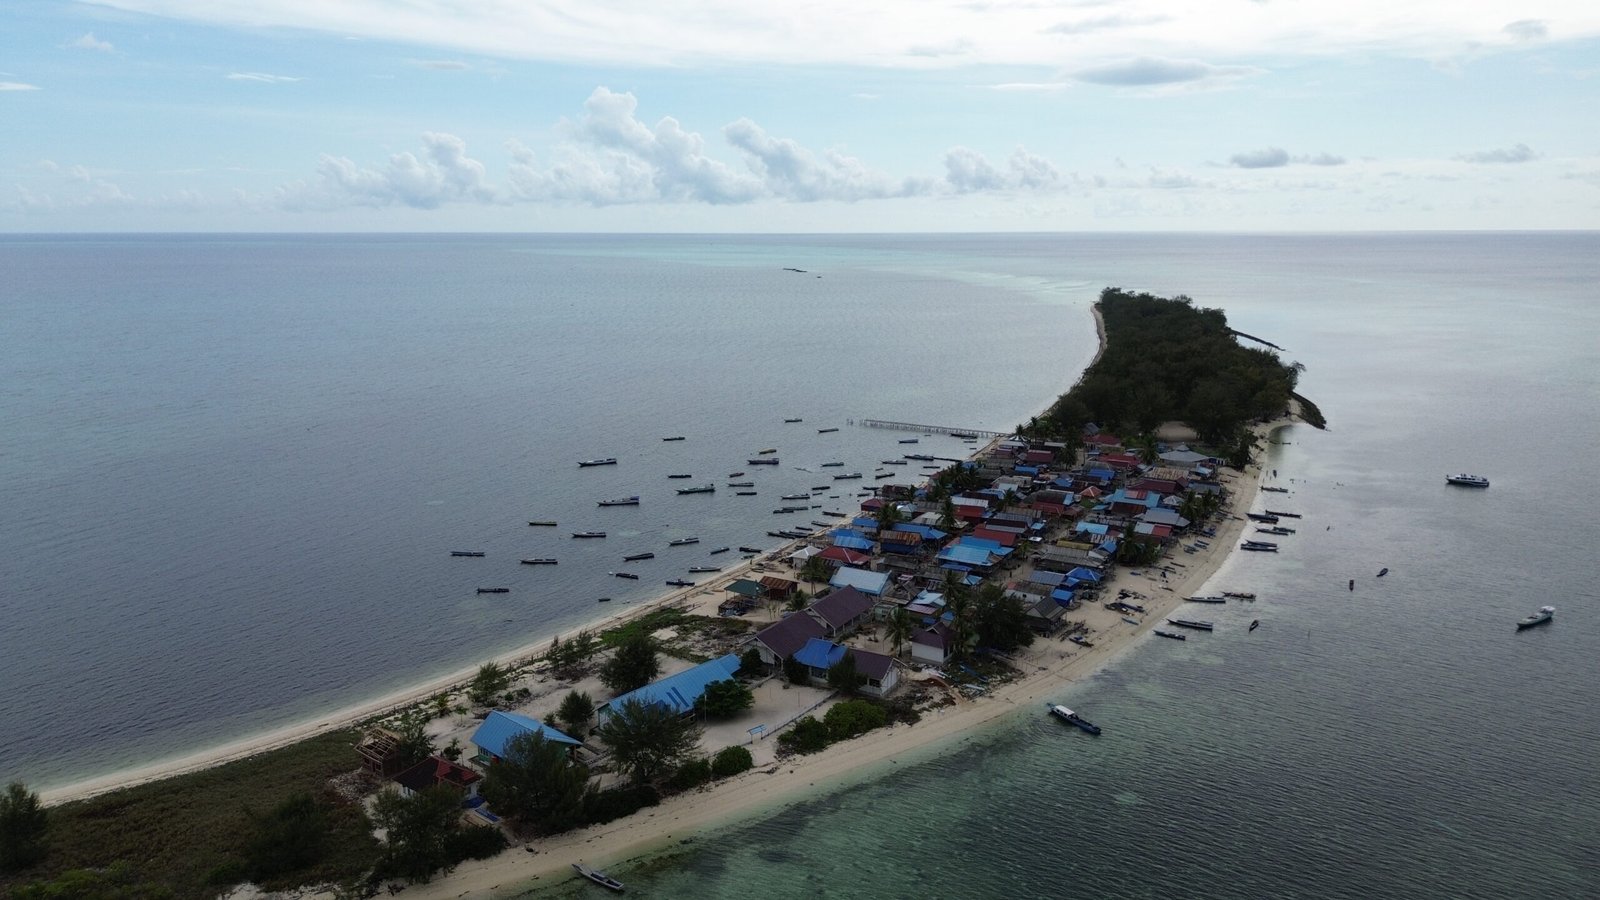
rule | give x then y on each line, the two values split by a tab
813	570
1147	448
888	516
947	513
900	628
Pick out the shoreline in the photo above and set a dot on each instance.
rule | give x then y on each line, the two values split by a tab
1048	667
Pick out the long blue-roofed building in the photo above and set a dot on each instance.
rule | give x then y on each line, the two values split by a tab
498	730
676	692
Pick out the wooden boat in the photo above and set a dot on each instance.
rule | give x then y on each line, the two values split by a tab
909	440
628	575
466	552
543	523
744	493
603	600
852	475
704	569
1207	599
719	550
680	476
588	534
1191	623
1276	490
1130	621
1259	546
703	489
1383	572
638	556
586	463
751	550
1268	518
679	582
795	497
622	501
494	590
829	465
1286	515
673	438
1071	718
894	462
1254	624
1243	595
683	542
1169	634
826	430
833	513
767	451
741	484
792	421
539	561
964	435
598	877
769	461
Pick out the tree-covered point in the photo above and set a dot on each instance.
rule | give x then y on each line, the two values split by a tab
1169	360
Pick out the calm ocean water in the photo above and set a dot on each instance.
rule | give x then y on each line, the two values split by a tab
233	469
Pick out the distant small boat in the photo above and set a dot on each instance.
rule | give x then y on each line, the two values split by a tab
588	534
539	561
679	582
683	542
702	569
586	463
598	877
795	497
1268	518
1254	624
1169	634
1286	515
741	484
1207	599
1130	621
628	575
751	550
964	435
735	474
852	475
543	523
829	465
769	461
1191	623
922	456
766	451
622	501
1352	584
1466	480
494	590
719	550
744	493
1544	615
680	476
466	552
603	600
894	462
1382	572
792	421
674	438
1072	718
1259	546
1245	595
833	513
908	440
826	430
703	489
1276	490
638	556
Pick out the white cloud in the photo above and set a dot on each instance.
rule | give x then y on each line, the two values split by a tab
1321	159
17	86
968	171
262	77
1269	158
89	42
902	33
1150	71
443	173
1519	153
792	172
1527	30
1038	87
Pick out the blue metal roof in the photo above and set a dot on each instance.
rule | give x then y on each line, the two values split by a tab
678	692
500	727
820	654
1082	574
851	542
1061	596
866	582
966	554
1092	527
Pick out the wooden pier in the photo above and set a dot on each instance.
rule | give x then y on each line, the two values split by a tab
927	429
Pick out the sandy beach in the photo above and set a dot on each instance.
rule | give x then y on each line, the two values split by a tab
1046	668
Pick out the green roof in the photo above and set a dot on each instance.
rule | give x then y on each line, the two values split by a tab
744	587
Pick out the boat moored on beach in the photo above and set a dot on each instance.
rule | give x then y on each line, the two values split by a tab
1071	718
1259	546
1544	615
1465	480
703	569
598	877
1241	595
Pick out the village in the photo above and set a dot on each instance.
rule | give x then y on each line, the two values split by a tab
929	596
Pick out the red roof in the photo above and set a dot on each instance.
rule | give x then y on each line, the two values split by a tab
1003	538
1119	460
1038	456
847	557
436	770
1104	440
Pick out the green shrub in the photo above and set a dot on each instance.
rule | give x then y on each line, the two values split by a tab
731	761
725	699
750	664
805	736
474	842
691	774
853	717
607	806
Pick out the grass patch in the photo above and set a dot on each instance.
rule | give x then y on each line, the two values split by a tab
689	629
177	832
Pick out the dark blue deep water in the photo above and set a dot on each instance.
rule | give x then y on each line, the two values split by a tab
231	470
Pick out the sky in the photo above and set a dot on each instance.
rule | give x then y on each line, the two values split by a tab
800	116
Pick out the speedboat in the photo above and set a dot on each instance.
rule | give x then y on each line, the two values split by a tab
1466	480
1539	618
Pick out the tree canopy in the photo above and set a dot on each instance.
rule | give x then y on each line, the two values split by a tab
632	666
536	786
23	823
648	740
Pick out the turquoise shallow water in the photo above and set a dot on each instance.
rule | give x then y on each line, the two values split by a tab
234	467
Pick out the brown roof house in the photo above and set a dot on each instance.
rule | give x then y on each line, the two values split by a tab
436	770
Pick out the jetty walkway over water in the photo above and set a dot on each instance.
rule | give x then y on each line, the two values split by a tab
928	429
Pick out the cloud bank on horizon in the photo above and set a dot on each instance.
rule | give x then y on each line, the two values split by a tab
817	115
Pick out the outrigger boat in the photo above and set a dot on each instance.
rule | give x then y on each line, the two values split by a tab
1071	718
597	876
